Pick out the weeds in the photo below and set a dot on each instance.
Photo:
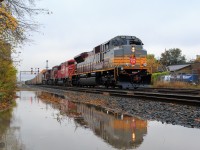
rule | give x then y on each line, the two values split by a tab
175	84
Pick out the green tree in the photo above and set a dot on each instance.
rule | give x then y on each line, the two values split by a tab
172	57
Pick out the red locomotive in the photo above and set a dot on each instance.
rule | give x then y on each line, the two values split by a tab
60	75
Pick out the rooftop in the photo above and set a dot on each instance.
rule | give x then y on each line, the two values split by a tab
177	67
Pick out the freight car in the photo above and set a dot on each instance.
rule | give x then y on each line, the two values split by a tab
119	62
36	80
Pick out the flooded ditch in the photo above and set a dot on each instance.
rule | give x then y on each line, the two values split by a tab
43	121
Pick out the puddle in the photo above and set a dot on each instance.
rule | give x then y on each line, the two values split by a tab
42	121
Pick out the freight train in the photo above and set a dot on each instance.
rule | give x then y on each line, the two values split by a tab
120	62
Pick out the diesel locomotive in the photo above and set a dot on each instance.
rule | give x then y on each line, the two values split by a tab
120	62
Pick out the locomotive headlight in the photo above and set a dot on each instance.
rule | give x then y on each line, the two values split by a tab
133	49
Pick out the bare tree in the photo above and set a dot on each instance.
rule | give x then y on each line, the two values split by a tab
23	11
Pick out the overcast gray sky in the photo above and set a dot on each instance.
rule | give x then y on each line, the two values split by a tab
79	25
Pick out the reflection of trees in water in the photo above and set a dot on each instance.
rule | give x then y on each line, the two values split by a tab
11	141
5	118
119	131
8	134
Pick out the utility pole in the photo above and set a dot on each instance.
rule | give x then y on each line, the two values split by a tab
47	65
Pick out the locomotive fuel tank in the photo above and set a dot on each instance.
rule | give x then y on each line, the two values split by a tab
88	80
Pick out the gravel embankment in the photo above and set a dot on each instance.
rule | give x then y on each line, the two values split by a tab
176	114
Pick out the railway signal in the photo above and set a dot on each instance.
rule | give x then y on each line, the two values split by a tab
31	70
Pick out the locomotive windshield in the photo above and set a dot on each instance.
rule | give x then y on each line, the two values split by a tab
134	42
55	68
118	41
70	62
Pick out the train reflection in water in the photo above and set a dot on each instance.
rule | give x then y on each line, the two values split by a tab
119	131
126	132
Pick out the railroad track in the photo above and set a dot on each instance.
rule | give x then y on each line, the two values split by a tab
186	96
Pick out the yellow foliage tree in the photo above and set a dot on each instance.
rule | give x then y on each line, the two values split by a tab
152	63
7	20
8	25
14	30
197	58
9	30
7	74
21	21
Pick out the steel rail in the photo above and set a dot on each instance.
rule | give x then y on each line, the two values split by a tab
184	96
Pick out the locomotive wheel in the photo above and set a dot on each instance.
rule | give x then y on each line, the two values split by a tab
136	86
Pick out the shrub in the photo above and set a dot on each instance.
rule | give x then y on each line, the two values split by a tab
156	76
